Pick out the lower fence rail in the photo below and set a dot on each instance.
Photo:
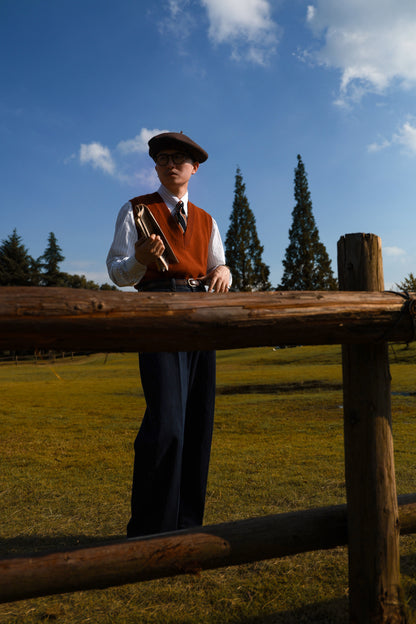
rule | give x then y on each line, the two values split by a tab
183	552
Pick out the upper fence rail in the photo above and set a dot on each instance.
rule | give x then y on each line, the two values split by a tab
68	319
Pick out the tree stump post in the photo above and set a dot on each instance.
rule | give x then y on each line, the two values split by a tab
373	521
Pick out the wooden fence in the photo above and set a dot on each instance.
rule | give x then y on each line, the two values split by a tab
363	320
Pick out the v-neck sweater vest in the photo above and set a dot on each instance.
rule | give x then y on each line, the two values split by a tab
190	248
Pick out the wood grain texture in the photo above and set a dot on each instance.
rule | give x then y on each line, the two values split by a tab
74	319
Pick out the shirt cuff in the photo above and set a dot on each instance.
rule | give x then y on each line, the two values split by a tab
135	269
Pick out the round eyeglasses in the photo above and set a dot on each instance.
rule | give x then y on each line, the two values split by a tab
178	158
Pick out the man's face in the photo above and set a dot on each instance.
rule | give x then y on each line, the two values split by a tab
175	176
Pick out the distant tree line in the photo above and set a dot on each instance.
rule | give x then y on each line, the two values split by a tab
306	263
19	268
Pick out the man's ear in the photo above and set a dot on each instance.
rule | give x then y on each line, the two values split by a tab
196	166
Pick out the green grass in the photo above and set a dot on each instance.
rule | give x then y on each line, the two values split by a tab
67	432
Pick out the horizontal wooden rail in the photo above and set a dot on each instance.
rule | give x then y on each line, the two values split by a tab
65	319
183	552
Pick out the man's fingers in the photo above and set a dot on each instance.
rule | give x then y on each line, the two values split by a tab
149	249
218	285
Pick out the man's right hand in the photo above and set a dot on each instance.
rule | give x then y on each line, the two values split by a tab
148	250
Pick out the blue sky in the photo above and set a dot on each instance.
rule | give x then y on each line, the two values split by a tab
85	83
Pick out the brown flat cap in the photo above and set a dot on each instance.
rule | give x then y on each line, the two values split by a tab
176	140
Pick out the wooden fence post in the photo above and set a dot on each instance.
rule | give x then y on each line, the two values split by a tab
373	521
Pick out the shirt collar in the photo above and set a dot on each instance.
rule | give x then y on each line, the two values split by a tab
170	200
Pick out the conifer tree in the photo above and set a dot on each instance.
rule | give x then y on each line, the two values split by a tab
306	264
243	251
50	261
408	284
17	267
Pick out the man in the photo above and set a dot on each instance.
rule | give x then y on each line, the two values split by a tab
173	445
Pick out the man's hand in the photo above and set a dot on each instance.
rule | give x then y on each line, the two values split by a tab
218	280
148	250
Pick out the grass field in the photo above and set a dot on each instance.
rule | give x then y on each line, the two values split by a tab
67	432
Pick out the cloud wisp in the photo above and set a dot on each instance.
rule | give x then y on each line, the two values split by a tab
394	252
139	144
100	157
405	138
246	25
371	43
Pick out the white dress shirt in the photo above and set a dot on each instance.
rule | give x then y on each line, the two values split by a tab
122	266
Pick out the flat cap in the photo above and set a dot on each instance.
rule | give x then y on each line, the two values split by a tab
176	140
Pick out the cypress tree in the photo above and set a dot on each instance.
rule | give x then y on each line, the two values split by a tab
50	261
243	251
17	267
306	264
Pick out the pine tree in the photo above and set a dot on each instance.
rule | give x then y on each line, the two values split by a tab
408	284
306	264
17	267
50	261
243	251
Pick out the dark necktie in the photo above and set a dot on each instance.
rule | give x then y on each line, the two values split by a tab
180	215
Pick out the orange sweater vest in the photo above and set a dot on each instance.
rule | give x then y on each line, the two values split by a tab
190	248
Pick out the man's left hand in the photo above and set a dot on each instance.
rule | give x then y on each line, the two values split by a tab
218	280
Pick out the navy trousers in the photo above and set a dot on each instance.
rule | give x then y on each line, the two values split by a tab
172	448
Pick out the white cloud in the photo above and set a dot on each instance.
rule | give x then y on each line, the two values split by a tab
145	178
175	7
378	147
394	252
405	137
139	143
245	24
372	43
310	13
177	12
98	156
123	169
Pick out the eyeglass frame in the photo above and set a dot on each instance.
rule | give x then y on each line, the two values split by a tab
183	156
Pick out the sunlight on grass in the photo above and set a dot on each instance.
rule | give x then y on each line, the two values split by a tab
68	429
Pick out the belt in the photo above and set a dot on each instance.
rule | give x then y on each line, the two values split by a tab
171	284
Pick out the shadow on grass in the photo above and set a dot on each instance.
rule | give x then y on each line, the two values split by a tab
271	388
328	612
408	564
29	545
408	568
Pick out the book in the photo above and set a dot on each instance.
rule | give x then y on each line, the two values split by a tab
147	225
